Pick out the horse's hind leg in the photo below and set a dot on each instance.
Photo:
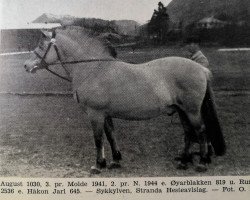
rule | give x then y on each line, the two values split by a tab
210	148
199	128
186	156
109	128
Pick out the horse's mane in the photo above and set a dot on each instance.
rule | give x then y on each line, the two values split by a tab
87	40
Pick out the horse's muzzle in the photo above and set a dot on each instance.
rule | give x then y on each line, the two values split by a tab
30	70
26	68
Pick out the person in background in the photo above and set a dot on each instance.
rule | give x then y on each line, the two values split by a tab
196	54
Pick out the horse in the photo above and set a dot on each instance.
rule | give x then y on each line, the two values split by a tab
108	88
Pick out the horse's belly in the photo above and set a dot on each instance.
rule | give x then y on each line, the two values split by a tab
141	114
140	107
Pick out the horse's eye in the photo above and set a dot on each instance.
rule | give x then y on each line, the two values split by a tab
41	46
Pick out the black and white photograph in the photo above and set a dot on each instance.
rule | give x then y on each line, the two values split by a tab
123	89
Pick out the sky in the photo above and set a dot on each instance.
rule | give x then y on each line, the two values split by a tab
14	12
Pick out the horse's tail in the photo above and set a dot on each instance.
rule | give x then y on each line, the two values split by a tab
213	128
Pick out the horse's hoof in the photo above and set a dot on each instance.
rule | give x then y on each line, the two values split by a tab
117	155
210	151
205	160
201	168
178	158
185	158
114	165
182	166
209	161
101	163
95	170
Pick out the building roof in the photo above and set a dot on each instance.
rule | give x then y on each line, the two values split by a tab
33	26
210	20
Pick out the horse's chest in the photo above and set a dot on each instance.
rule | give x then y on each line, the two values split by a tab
93	95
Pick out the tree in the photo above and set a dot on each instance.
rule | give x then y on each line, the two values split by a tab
159	23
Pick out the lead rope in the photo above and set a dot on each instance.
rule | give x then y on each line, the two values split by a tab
65	78
60	60
52	42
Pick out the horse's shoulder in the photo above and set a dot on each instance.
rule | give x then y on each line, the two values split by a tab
93	94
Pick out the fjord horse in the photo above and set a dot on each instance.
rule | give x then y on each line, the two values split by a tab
108	88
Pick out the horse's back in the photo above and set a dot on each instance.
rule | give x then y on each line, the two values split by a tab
177	66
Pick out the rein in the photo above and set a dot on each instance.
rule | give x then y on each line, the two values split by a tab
67	78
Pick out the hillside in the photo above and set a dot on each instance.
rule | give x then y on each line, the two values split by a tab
123	27
127	27
50	18
189	11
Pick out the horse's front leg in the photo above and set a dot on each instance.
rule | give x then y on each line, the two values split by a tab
97	126
116	154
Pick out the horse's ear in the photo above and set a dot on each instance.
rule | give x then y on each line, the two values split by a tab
43	35
54	33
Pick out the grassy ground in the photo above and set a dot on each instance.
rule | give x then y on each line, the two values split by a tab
49	136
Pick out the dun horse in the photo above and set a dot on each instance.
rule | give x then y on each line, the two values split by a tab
108	88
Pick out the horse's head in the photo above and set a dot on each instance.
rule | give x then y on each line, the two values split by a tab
73	44
44	55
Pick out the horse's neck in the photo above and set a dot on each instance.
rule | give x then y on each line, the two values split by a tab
69	50
89	49
83	73
72	51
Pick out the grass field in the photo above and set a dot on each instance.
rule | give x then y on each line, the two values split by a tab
49	136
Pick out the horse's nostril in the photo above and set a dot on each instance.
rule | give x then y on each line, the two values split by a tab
26	68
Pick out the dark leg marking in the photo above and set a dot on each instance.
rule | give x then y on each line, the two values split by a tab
98	136
186	156
200	131
116	154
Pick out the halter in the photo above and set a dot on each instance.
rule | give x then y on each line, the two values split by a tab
44	63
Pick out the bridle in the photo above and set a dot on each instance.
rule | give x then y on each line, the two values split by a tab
46	65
